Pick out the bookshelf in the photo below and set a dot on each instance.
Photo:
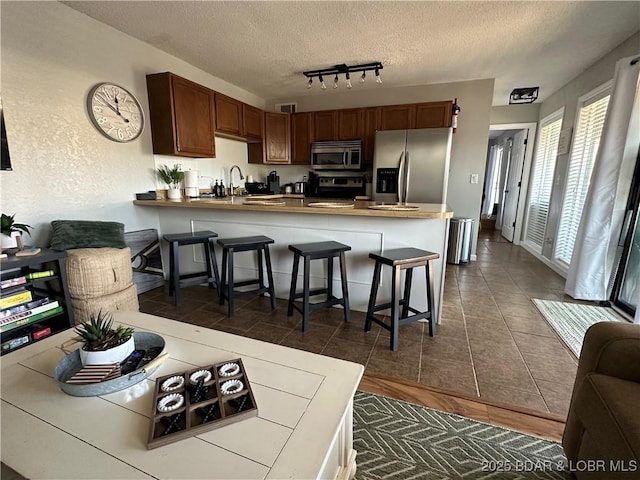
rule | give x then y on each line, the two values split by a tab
34	299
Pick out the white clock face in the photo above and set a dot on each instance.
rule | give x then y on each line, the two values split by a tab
115	112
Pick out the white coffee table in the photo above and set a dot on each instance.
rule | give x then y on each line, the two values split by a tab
304	428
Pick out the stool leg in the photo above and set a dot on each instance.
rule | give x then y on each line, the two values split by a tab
175	273
395	307
294	282
230	285
260	272
214	264
345	286
305	294
372	296
407	292
329	278
432	316
209	256
272	292
223	277
172	268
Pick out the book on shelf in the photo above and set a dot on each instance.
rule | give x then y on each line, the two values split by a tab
13	282
27	313
42	274
16	299
7	312
32	319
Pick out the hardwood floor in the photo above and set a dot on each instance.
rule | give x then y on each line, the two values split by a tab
548	426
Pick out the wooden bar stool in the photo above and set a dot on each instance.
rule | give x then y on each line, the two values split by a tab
317	251
176	240
401	259
260	244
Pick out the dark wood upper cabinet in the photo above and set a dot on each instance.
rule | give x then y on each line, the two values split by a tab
350	123
324	126
276	140
398	117
301	135
182	116
434	114
228	115
251	121
371	124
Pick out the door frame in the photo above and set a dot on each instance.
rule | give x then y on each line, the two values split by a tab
526	171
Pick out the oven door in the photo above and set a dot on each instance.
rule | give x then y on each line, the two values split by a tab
334	158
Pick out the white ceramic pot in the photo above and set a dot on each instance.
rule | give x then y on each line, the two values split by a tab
107	357
174	194
9	241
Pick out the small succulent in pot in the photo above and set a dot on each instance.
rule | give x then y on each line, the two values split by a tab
99	335
8	225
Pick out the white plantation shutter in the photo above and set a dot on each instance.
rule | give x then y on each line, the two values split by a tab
583	154
542	180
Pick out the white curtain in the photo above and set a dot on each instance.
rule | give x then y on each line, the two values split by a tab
594	251
490	180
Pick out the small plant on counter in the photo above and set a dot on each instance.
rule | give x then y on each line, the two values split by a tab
99	335
171	176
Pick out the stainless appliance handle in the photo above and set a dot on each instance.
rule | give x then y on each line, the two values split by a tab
407	166
344	158
400	177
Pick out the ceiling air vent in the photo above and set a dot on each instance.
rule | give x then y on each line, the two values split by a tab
286	107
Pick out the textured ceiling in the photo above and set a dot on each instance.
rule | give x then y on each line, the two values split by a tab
264	46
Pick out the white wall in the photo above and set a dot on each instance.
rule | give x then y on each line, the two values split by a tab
469	142
63	168
505	114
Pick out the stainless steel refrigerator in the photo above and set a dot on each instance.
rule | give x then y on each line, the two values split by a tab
411	165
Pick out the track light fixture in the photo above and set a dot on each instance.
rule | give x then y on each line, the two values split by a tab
346	70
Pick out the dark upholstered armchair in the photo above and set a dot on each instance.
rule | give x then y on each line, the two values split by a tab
602	435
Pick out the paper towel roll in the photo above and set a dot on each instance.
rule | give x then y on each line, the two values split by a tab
191	183
191	179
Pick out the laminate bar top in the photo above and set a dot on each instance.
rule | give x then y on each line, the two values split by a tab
301	205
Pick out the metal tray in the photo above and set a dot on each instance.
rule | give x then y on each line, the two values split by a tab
71	363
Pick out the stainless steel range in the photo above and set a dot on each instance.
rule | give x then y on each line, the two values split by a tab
336	185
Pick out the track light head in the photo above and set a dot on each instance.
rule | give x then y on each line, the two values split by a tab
336	70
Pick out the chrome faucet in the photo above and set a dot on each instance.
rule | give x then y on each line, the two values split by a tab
231	188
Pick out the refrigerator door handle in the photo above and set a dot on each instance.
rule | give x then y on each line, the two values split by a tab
405	190
400	185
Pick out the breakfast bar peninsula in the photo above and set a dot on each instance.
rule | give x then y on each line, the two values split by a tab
365	226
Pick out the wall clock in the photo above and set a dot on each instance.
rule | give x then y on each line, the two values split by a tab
115	112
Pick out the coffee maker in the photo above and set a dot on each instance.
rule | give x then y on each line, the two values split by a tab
273	181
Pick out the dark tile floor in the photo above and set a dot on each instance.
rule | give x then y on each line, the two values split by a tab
492	343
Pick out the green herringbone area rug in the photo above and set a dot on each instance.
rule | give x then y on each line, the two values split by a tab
399	440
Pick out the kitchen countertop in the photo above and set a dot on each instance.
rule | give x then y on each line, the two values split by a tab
300	205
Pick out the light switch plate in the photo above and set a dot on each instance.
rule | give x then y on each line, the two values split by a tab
474	178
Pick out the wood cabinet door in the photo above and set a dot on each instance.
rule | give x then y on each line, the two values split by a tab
397	117
350	124
434	114
251	121
194	113
324	126
371	124
276	138
228	115
301	131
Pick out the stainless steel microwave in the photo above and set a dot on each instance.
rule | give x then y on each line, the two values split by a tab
336	155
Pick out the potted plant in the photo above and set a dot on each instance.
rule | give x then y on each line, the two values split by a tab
173	178
12	231
103	344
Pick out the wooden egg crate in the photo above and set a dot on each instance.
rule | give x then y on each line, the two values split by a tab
218	401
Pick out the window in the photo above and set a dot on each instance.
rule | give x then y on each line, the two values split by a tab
591	115
542	180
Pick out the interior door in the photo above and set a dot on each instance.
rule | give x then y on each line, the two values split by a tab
513	184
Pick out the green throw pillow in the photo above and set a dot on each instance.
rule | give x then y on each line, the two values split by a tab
69	234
